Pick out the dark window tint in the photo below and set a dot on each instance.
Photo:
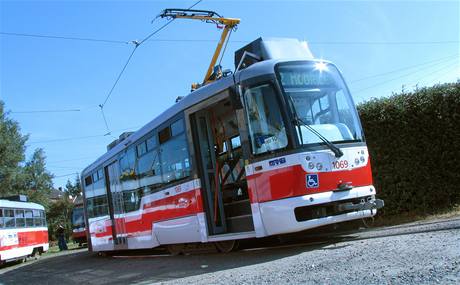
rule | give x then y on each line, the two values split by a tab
164	135
131	200
2	223
88	180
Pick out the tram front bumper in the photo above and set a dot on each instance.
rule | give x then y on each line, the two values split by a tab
315	210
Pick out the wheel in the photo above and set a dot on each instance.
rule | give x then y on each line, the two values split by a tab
175	249
226	246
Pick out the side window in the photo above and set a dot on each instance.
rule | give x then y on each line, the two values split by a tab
127	164
266	127
100	174
43	216
36	218
9	218
20	219
29	218
132	199
100	207
175	161
88	180
2	222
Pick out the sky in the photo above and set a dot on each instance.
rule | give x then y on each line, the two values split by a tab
381	47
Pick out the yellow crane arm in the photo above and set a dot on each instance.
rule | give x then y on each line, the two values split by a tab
208	17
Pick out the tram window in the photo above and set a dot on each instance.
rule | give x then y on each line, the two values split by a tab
236	142
128	160
88	180
149	165
99	206
36	218
266	126
175	162
29	218
9	218
95	179
141	149
20	220
151	143
177	127
89	207
2	223
100	174
131	200
164	135
43	217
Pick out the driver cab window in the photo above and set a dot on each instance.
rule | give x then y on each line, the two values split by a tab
266	128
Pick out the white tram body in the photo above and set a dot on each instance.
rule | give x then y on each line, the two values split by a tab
23	230
237	158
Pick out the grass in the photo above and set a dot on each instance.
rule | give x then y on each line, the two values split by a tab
55	249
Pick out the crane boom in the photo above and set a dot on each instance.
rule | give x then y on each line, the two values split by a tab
208	17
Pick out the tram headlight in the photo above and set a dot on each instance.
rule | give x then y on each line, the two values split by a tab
356	161
319	166
362	158
311	165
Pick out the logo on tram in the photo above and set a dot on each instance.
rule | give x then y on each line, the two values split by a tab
312	181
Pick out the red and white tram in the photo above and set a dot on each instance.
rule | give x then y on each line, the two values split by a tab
23	229
276	147
78	222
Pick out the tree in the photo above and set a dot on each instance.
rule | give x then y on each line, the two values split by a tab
37	182
74	189
12	147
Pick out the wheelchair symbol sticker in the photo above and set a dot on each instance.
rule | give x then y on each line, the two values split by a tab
312	181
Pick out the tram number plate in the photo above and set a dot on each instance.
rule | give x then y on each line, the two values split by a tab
340	164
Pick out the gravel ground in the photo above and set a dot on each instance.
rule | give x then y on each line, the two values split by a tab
419	253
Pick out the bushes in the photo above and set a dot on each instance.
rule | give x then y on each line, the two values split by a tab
414	143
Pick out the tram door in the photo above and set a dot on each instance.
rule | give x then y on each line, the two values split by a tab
209	177
115	196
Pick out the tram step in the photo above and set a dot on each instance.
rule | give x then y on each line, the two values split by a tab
238	208
241	223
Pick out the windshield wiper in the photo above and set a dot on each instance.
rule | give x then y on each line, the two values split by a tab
337	151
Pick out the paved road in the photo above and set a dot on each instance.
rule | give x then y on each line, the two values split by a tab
418	253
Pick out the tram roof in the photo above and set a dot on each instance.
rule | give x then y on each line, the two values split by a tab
20	205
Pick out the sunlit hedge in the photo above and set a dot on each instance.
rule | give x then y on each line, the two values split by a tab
414	143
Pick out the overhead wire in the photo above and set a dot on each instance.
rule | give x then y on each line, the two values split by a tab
136	45
45	111
232	41
401	76
402	69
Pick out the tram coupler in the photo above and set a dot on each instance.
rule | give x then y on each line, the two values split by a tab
371	204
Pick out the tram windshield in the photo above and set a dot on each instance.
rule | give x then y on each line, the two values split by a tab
78	220
320	100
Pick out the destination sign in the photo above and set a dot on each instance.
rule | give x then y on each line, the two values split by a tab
305	78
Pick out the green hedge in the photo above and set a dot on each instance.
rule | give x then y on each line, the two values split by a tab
414	144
